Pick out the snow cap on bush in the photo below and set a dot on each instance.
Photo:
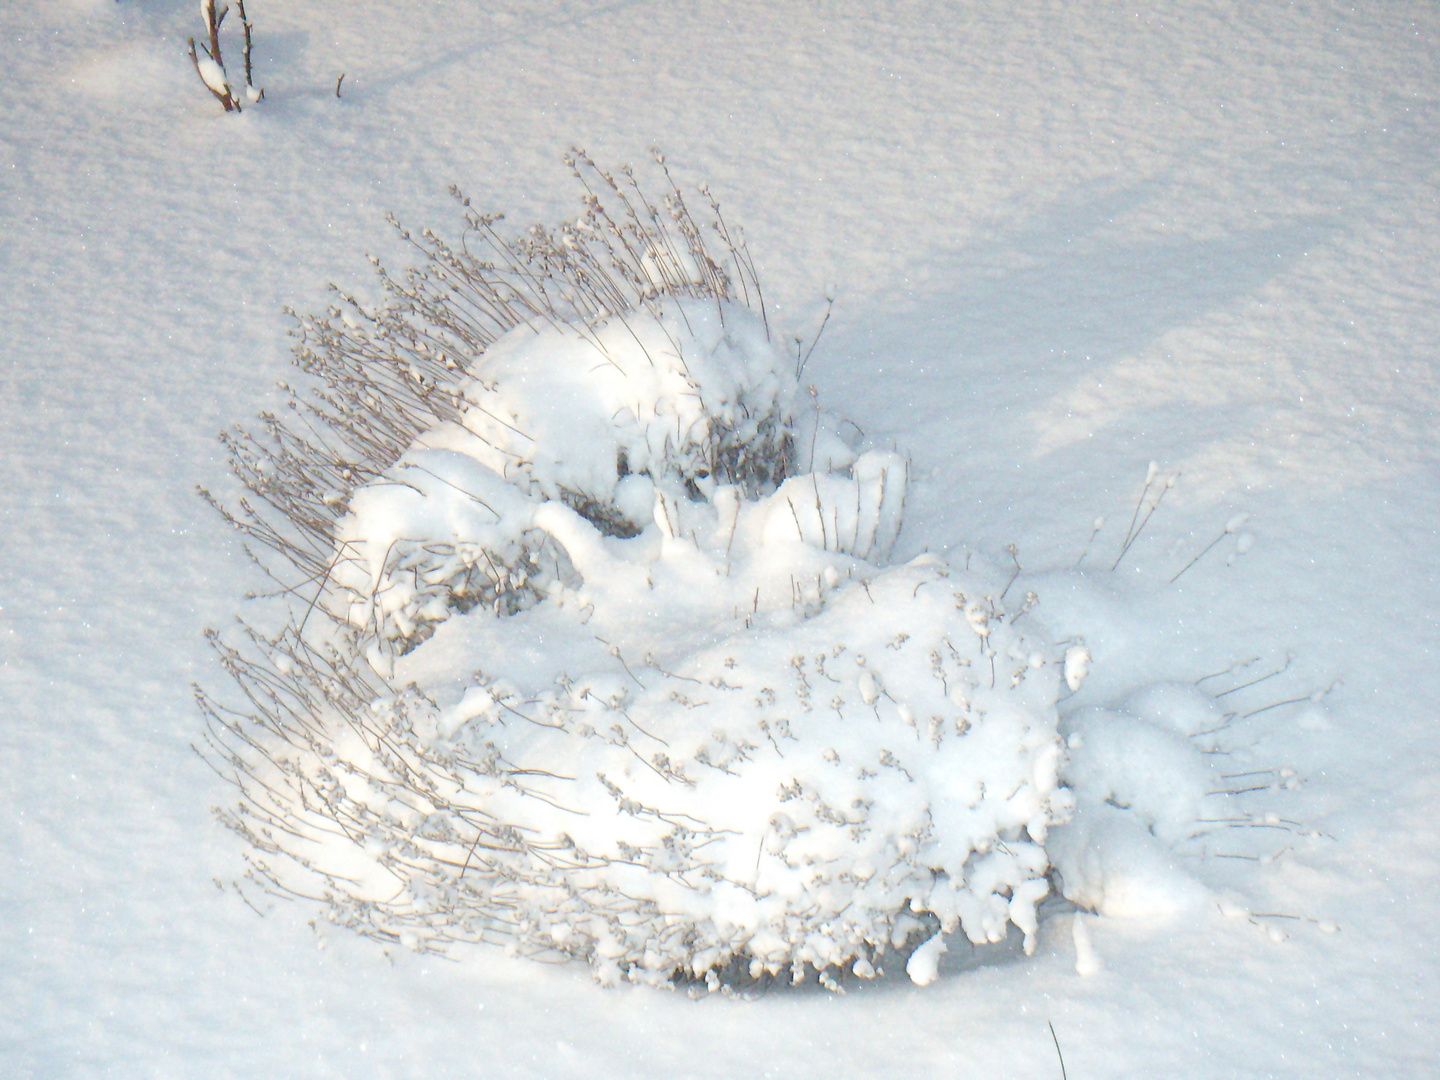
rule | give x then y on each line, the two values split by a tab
594	671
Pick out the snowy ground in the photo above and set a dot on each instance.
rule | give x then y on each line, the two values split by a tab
1063	241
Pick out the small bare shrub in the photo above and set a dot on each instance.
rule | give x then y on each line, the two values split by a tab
209	61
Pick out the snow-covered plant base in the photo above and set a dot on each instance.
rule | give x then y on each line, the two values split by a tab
596	667
681	402
1176	794
1145	787
787	786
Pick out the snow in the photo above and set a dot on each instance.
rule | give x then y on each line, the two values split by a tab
683	787
1087	961
1064	243
567	403
923	966
212	74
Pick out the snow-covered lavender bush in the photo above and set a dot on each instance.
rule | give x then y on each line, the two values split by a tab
600	654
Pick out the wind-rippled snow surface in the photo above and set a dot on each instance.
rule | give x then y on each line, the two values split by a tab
1063	241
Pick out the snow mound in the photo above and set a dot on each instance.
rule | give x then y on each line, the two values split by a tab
687	392
780	789
619	419
597	670
744	742
1143	787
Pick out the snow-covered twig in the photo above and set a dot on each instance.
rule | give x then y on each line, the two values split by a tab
801	361
1095	527
252	94
212	74
209	62
1230	526
1133	533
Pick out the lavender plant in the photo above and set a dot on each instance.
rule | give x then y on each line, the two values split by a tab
585	658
